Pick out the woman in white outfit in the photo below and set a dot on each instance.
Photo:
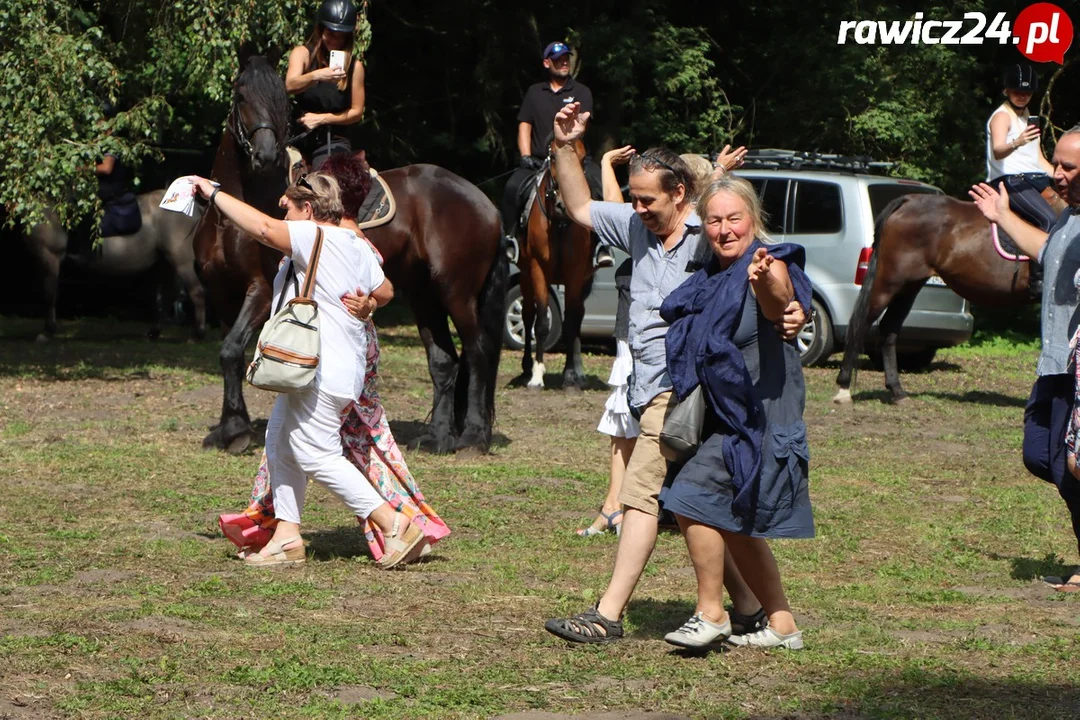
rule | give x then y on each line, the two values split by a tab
303	435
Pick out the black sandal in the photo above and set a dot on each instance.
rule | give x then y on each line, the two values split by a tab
586	627
747	624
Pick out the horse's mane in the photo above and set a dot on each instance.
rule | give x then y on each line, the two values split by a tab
266	90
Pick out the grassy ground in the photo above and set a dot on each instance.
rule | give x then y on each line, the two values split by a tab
919	598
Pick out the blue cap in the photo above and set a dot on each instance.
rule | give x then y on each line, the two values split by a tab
556	49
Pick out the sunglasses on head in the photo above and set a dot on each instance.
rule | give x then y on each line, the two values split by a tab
302	182
650	159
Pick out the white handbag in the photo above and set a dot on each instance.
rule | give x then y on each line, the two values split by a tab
287	354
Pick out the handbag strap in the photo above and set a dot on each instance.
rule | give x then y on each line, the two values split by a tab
290	273
313	266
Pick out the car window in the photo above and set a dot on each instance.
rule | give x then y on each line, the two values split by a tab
818	208
881	194
773	194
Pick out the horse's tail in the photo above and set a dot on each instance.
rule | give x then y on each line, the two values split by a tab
492	315
860	321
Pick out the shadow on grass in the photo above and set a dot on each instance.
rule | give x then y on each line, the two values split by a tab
416	435
939	693
974	397
348	542
554	382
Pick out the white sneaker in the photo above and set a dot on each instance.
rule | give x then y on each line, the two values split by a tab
697	632
769	638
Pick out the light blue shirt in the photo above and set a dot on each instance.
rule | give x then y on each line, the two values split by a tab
1060	259
656	273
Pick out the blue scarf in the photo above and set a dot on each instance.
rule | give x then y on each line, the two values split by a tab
703	313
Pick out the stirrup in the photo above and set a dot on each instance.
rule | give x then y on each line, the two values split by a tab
512	252
602	257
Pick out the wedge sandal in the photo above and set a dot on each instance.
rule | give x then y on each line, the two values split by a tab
403	548
277	556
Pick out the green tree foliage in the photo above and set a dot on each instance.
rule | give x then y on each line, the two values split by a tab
445	80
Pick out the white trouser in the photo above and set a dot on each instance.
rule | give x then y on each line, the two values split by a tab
303	438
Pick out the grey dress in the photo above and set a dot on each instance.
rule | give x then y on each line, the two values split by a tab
702	489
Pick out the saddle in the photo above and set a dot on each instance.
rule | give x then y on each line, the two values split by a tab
378	208
1007	248
527	195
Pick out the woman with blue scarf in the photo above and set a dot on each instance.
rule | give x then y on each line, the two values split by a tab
748	480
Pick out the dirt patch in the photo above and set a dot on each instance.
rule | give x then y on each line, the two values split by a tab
1035	591
166	630
24	707
206	394
162	531
93	577
632	715
350	694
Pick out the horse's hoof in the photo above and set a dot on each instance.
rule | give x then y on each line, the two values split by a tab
572	389
899	399
438	444
473	443
842	397
536	382
42	339
153	335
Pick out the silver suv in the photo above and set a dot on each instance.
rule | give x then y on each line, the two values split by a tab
831	213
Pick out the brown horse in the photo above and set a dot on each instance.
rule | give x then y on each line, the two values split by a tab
917	236
556	250
442	249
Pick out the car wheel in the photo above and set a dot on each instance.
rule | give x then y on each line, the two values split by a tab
514	326
815	340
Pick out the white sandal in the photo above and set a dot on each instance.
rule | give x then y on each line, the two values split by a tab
276	555
402	548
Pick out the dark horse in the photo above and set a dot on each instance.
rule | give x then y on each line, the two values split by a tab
917	236
442	249
555	251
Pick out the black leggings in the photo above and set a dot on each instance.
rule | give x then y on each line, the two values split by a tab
1025	198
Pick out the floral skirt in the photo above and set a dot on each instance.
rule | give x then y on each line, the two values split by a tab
367	442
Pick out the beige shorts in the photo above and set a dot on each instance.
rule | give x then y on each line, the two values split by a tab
647	467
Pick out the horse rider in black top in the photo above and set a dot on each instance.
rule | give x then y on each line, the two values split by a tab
535	120
121	215
328	81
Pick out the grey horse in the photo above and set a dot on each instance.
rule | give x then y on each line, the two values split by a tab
164	236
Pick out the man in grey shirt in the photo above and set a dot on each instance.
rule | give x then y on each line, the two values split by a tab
663	235
1053	396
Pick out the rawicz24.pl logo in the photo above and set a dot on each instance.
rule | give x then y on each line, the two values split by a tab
1042	32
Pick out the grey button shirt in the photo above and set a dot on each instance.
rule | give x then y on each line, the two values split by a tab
1060	259
656	273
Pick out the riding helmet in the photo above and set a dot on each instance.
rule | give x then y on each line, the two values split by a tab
337	15
1021	78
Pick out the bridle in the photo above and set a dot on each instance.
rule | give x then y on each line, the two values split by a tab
243	134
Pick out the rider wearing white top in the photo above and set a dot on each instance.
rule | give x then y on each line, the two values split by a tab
1014	155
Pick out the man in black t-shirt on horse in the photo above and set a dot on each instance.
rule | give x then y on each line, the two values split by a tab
535	119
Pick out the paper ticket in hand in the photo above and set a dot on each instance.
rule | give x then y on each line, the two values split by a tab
180	197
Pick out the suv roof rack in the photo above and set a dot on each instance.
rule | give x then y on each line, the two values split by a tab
777	159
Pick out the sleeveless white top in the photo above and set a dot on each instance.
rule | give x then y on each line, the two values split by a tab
1024	159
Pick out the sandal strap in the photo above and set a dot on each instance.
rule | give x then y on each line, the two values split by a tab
610	518
591	622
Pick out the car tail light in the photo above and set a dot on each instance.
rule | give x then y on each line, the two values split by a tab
864	265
